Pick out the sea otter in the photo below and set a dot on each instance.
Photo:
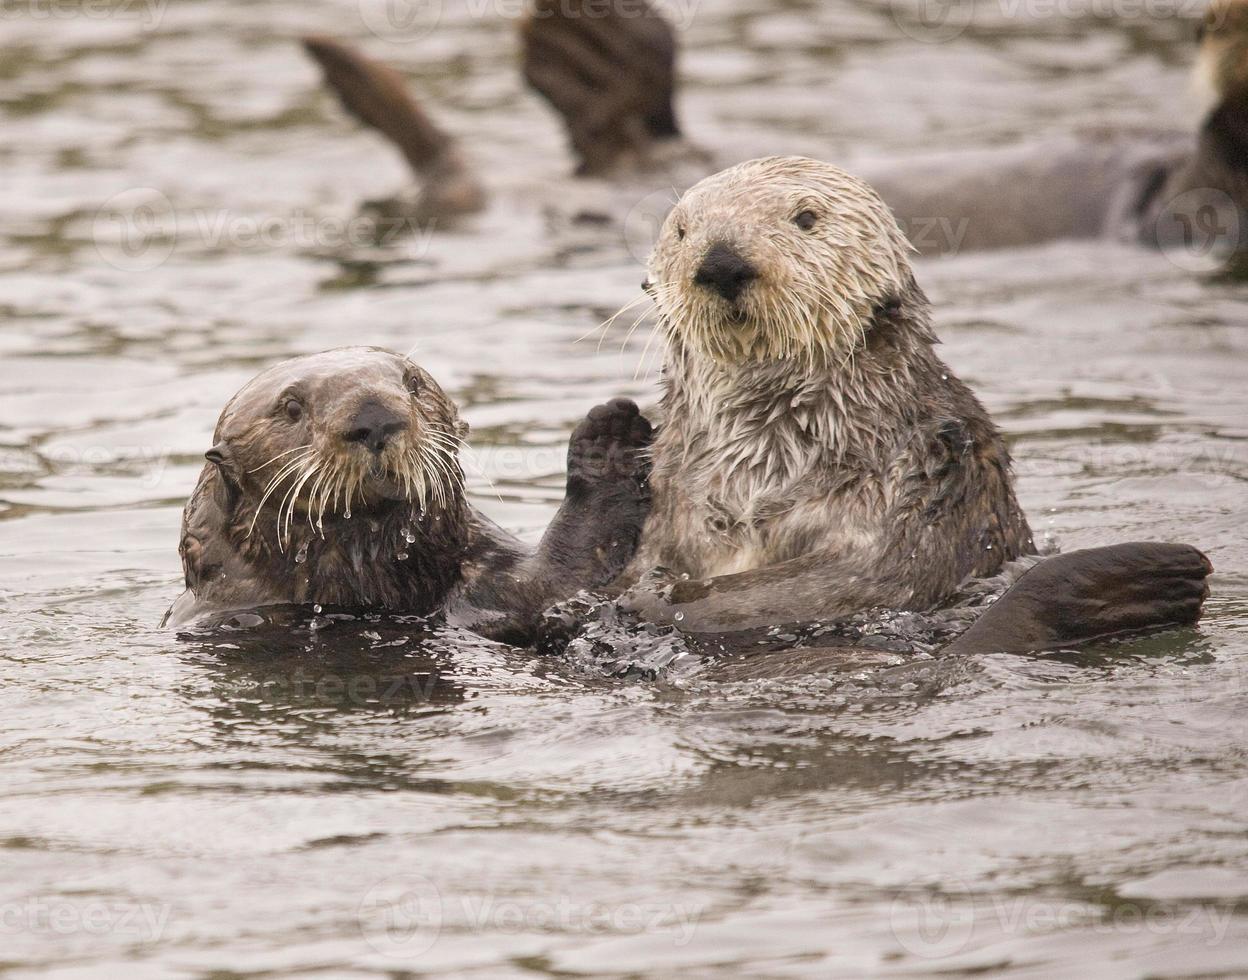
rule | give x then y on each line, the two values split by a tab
608	69
335	480
815	458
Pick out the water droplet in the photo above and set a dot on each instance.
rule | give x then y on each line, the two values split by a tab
316	608
302	554
347	513
402	556
679	617
944	377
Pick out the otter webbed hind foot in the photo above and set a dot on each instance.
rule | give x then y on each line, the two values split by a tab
595	533
608	71
378	96
1093	594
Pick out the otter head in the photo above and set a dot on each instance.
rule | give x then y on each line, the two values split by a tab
777	258
355	431
1222	64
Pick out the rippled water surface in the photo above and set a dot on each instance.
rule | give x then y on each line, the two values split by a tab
359	802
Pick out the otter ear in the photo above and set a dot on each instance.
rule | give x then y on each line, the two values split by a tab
222	457
219	455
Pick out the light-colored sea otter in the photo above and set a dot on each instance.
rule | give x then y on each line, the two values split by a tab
814	457
335	480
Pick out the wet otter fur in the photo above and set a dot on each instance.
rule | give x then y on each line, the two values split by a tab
335	480
805	410
814	457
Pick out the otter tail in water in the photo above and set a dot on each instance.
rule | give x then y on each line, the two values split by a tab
610	72
377	95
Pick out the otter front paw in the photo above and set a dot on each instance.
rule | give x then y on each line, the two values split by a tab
1092	594
596	532
606	454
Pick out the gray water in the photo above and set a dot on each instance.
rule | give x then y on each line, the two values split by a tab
363	802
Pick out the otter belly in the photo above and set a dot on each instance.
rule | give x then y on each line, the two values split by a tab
701	548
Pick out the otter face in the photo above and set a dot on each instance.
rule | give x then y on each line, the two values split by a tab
777	258
357	427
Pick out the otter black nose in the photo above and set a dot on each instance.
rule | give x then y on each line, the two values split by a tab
725	271
373	426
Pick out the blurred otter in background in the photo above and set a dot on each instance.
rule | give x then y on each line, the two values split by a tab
610	73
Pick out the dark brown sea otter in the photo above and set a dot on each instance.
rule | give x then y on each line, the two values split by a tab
335	480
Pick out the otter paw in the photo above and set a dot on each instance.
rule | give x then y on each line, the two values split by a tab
606	451
1092	594
609	72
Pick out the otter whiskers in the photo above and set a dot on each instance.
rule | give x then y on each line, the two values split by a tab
291	466
428	474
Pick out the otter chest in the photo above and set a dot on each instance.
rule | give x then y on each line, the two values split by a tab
725	520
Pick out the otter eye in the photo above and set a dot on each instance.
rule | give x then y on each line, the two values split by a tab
294	411
805	220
